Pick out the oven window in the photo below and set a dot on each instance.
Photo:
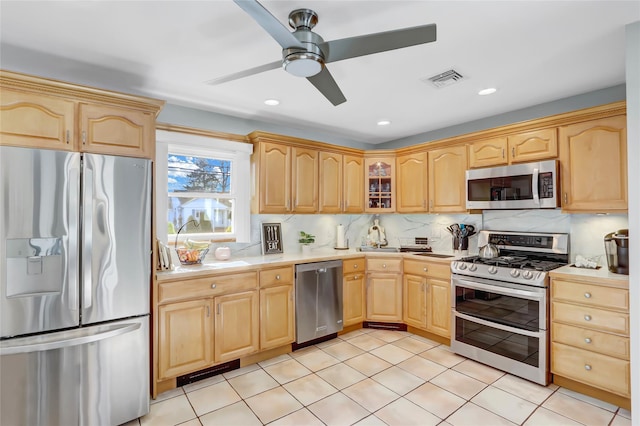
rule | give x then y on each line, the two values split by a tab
501	188
511	345
499	308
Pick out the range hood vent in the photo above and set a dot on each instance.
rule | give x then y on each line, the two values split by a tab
446	78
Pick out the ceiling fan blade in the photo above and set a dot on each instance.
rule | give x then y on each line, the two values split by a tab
245	73
353	47
325	83
269	22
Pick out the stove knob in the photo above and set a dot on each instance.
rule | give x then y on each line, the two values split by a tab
527	275
462	266
514	273
473	267
492	270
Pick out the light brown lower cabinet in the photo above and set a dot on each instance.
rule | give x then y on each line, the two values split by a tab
236	326
353	294
276	316
384	289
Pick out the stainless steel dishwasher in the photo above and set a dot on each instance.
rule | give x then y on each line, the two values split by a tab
318	300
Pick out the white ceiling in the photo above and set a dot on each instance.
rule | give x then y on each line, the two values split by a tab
531	51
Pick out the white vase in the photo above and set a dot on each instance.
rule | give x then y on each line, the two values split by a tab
306	249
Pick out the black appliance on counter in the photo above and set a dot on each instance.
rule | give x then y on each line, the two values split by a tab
616	245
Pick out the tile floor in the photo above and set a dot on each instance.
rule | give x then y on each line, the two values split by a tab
375	377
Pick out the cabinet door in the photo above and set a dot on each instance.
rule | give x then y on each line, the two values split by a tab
533	146
117	131
275	178
330	183
447	167
439	307
488	152
353	184
381	186
414	301
353	299
384	297
185	337
276	316
36	121
593	156
411	174
236	325
304	180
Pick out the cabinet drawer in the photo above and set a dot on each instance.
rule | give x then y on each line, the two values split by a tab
384	265
205	287
594	369
276	276
588	294
591	340
436	270
590	317
353	265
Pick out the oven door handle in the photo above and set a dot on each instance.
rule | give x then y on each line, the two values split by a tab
507	291
497	325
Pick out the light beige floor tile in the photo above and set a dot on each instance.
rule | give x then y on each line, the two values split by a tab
421	367
472	415
398	380
544	417
273	404
585	398
371	420
252	383
464	386
435	400
577	410
212	398
368	330
301	417
338	409
412	345
370	394
241	371
392	354
134	422
169	412
343	351
366	342
328	343
310	389
351	334
368	364
235	414
530	391
304	351
192	422
317	360
286	371
388	335
203	383
620	421
624	413
504	404
443	356
341	375
425	340
168	395
404	412
274	360
479	371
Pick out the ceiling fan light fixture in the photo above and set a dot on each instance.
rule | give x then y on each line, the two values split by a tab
303	64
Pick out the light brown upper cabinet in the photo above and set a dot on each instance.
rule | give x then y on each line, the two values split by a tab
353	183
380	185
447	167
331	165
593	157
411	173
304	180
518	148
272	165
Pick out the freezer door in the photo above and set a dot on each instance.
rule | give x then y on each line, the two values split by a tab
39	210
96	375
116	237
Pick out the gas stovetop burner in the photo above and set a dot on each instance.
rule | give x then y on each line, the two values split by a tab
517	262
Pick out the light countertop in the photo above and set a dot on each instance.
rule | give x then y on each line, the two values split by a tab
602	275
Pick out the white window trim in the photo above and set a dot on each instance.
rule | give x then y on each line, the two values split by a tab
184	143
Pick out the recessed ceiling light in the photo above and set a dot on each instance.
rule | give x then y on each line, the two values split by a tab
487	91
384	122
272	102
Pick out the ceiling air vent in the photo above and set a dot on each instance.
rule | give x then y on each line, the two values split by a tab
446	78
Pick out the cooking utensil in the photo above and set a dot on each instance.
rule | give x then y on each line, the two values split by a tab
489	251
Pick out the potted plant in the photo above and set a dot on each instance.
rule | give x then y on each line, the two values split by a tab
306	239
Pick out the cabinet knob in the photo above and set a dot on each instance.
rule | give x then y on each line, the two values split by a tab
587	367
587	317
277	277
587	340
355	266
425	269
213	286
587	295
384	265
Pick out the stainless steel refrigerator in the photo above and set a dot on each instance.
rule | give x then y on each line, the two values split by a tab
75	253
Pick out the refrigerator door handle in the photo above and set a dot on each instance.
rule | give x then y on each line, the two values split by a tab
65	339
87	232
72	212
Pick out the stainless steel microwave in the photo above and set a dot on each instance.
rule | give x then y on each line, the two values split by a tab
519	186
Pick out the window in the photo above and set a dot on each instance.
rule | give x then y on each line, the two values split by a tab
203	188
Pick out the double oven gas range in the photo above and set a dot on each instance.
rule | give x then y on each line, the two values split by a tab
500	305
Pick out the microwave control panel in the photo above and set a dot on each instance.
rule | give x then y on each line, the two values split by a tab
545	185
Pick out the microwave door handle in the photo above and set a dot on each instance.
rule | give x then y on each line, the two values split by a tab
535	189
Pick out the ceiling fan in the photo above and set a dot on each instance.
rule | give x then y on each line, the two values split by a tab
305	53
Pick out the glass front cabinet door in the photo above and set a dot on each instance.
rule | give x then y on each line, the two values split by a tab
381	186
